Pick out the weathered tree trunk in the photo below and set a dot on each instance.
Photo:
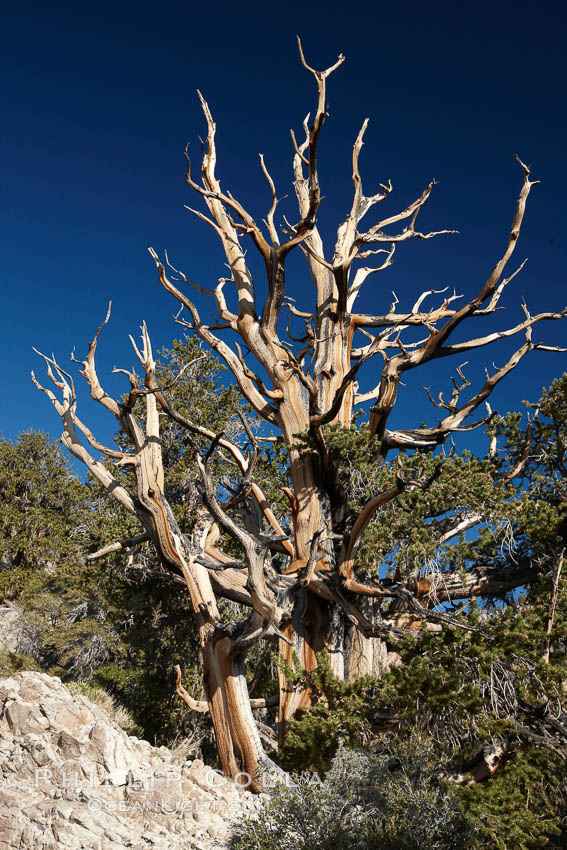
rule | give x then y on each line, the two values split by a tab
240	750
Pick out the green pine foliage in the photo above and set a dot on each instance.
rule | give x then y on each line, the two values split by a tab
402	539
339	713
44	520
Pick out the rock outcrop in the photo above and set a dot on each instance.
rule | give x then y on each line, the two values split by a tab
10	623
71	778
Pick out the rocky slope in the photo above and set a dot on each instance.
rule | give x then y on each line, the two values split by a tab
71	778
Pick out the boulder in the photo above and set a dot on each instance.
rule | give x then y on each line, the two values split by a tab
71	778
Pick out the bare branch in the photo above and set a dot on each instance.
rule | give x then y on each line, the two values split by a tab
224	313
70	439
249	390
552	604
89	372
216	199
199	705
376	233
363	273
491	286
308	220
127	543
270	216
359	526
202	706
480	342
263	605
461	524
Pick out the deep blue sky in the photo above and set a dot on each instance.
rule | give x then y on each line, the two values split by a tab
100	100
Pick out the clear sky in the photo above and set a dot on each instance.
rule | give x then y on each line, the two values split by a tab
99	100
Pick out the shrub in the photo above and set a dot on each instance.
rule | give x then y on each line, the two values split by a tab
372	802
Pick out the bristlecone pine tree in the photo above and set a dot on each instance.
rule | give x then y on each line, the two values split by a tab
299	575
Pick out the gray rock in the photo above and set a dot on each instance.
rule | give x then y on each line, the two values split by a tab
71	779
10	626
